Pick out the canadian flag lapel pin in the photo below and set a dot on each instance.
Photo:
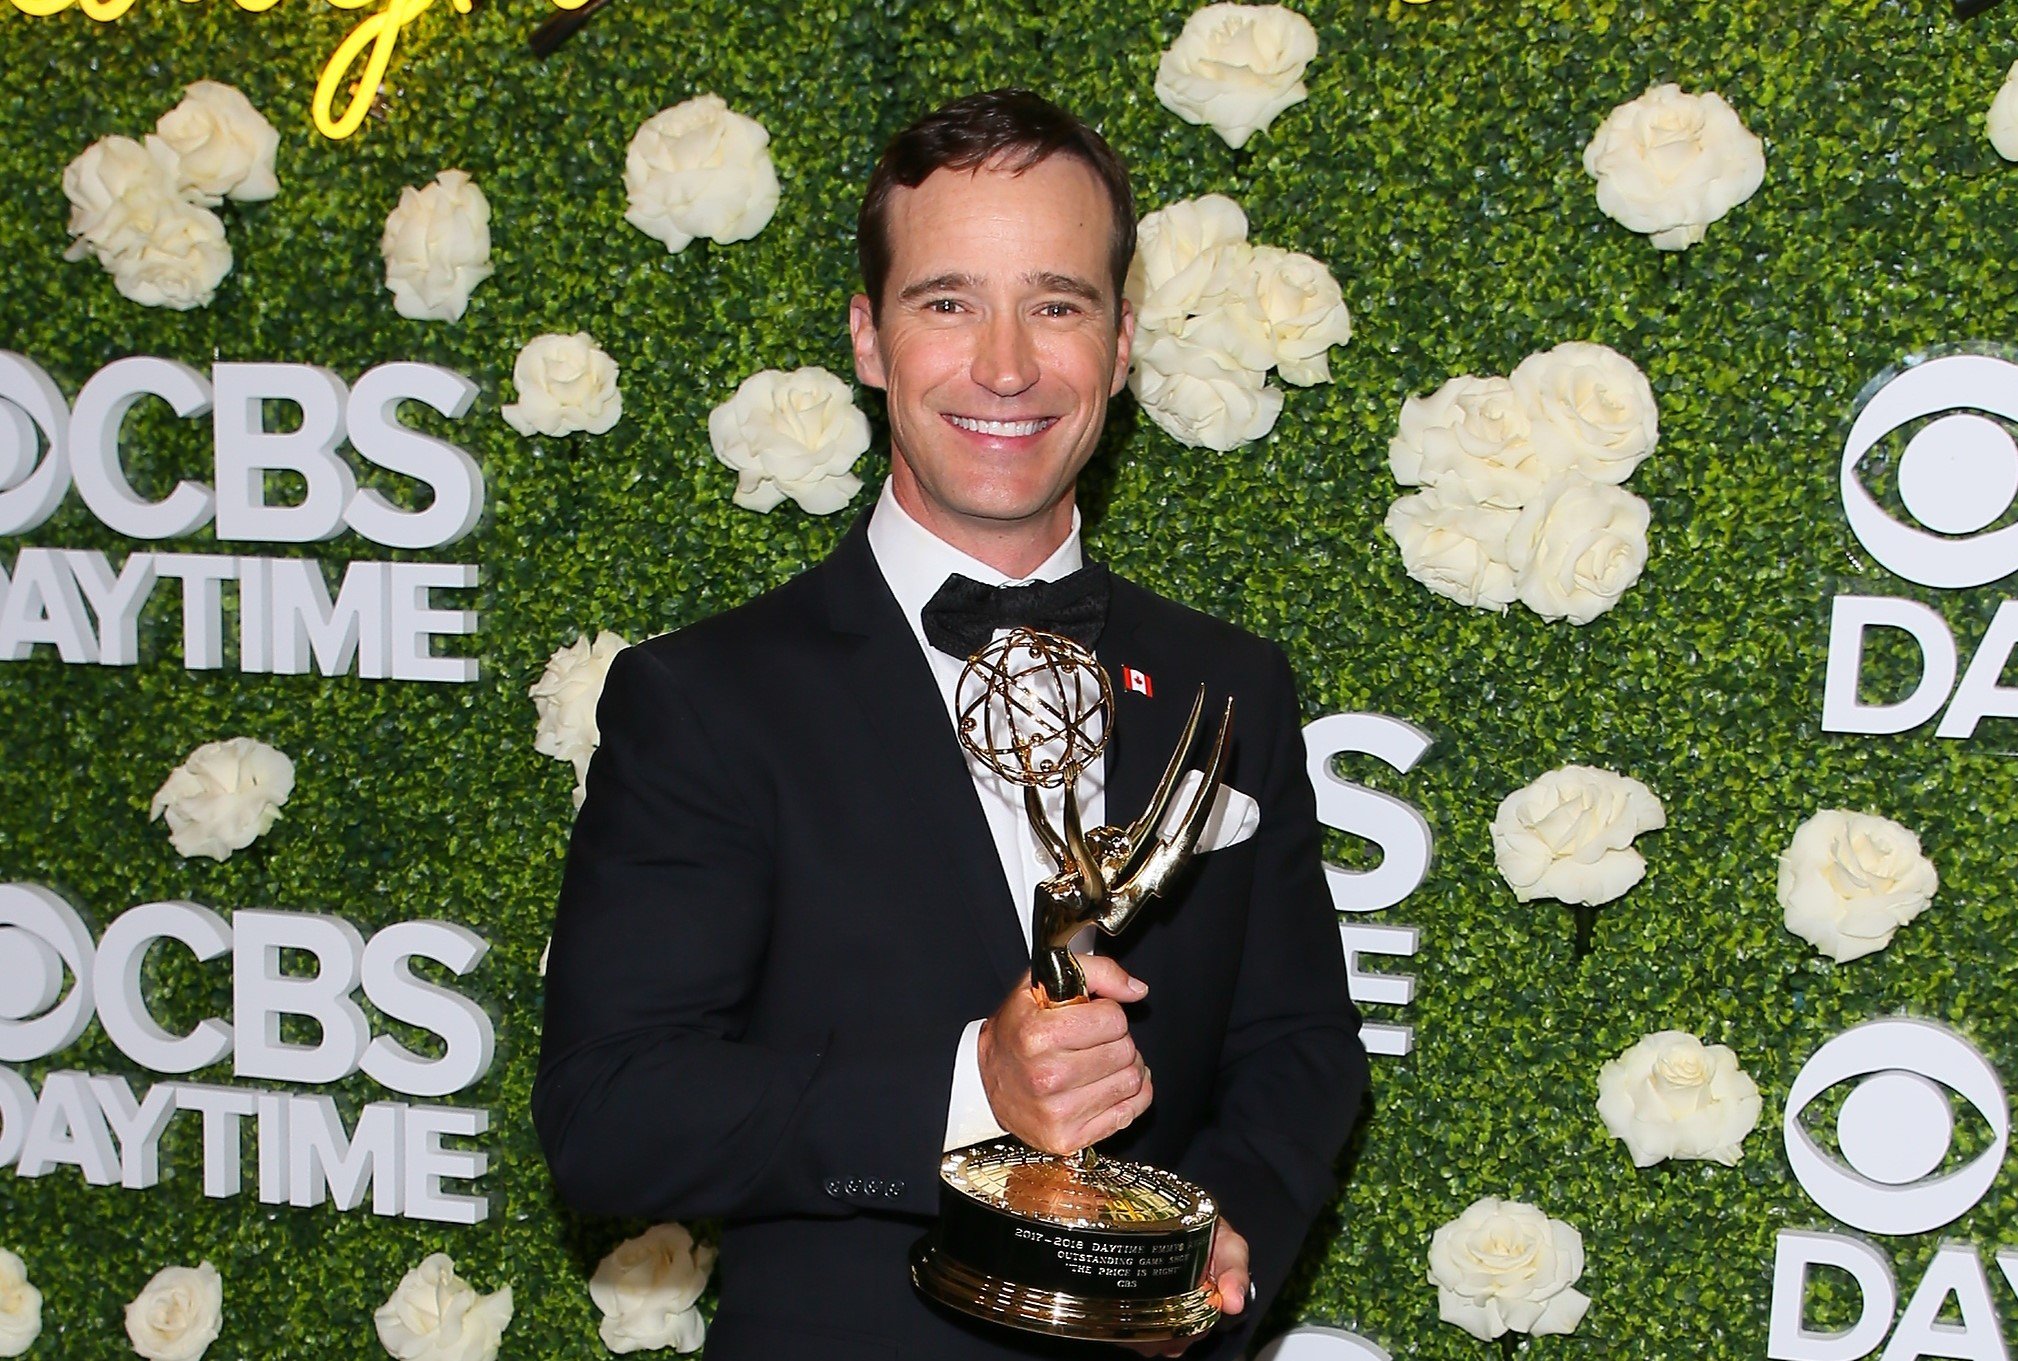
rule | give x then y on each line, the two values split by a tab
1138	681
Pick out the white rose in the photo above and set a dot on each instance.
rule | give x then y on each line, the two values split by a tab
1569	835
647	1288
435	1315
1504	1266
1226	318
437	247
1577	547
1176	258
1471	435
1670	163
1236	67
1454	546
222	796
20	1307
226	146
1262	307
699	169
1305	313
178	265
565	383
792	434
119	189
1672	1096
566	695
177	1315
2001	122
1202	396
1590	408
1849	881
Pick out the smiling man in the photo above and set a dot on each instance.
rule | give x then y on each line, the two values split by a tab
790	964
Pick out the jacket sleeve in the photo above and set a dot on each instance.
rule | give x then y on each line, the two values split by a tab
1292	1071
650	1100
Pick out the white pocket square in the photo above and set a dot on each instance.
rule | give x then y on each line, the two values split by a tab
1233	818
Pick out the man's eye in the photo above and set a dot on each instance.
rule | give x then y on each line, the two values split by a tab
1058	309
942	305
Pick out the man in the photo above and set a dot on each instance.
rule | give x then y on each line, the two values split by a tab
790	963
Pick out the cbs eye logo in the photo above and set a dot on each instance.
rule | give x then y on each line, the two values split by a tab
40	937
34	440
1896	1127
1957	475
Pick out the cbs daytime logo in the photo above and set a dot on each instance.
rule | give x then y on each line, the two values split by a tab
1895	1131
291	973
1957	477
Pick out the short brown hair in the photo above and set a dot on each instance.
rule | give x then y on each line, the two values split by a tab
1016	128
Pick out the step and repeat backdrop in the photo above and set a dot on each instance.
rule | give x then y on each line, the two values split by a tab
1609	406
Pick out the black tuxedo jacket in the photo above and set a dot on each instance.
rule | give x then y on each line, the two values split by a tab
782	905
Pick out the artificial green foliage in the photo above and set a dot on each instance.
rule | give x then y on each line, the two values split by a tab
1435	167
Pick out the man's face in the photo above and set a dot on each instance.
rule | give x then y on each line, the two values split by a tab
997	347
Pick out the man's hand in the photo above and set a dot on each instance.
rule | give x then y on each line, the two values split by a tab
1061	1078
1226	1274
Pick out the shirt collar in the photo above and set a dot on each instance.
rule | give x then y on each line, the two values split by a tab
916	562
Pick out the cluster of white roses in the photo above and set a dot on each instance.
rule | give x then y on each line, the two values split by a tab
1520	475
144	208
566	695
1669	163
1849	881
794	434
436	246
565	383
1213	314
1235	67
700	169
223	796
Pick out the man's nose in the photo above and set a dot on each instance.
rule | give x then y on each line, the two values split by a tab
1005	361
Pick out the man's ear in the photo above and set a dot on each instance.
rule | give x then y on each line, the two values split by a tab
862	333
1124	347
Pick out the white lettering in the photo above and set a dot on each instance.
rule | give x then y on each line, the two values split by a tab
247	451
102	405
1788	1337
263	993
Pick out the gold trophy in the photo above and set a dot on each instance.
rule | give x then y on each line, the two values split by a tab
1077	1245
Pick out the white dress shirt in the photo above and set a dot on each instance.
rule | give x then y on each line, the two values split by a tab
915	562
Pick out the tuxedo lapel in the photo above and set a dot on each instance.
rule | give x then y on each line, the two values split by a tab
1145	728
936	823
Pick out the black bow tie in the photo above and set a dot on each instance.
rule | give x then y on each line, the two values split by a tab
963	614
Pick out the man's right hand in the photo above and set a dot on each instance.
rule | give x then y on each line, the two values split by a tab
1061	1078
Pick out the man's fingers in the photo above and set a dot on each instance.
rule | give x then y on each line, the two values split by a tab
1084	1025
1106	978
1114	1104
1232	1288
1230	1277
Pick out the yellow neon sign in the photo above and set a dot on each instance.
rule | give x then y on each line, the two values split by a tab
378	32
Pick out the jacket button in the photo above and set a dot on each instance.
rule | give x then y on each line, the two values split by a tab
833	1188
894	1189
854	1186
873	1186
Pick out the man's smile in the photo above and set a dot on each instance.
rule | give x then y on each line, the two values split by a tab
1002	429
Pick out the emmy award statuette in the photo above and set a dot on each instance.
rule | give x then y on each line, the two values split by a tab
1076	1245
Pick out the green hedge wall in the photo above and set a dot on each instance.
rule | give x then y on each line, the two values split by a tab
1436	168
